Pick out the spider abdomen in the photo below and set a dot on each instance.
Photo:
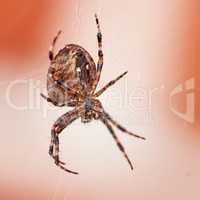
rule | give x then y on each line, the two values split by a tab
74	68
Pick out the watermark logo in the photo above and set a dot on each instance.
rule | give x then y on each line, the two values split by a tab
186	89
139	100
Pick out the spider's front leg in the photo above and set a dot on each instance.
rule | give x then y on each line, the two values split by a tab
105	118
121	128
57	128
109	84
100	53
51	50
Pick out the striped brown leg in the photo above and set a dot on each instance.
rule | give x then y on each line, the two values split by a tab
109	84
100	53
51	50
121	148
49	100
57	128
121	127
54	146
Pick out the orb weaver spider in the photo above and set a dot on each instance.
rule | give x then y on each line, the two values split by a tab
72	79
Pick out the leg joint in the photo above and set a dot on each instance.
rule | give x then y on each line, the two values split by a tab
99	37
100	53
56	129
50	55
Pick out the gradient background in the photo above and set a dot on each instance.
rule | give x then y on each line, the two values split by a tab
158	42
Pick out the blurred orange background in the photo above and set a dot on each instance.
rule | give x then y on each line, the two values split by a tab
158	43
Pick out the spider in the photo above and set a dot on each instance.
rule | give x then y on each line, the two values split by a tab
72	79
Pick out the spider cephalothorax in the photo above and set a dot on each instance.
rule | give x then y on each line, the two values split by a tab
71	81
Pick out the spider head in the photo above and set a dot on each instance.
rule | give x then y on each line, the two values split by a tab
89	113
88	104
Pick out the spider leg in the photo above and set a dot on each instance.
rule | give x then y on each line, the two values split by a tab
49	100
100	53
120	127
109	84
51	50
54	147
57	128
120	146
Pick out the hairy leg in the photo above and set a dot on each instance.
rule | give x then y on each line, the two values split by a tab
120	146
120	127
100	53
51	50
57	128
49	100
109	84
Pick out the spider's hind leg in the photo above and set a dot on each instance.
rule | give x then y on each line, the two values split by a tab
51	49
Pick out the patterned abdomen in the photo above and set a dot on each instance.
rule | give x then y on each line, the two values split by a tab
74	68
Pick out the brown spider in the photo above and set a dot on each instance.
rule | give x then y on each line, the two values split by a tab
71	81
